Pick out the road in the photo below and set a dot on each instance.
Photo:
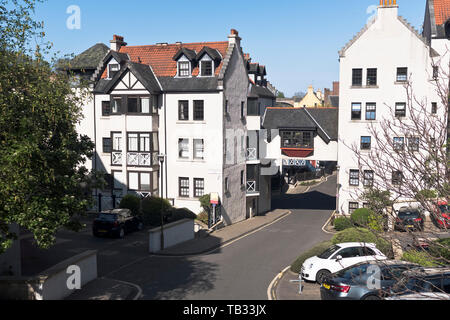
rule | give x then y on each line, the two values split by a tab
240	271
244	270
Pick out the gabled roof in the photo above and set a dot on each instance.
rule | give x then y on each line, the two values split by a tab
142	72
90	58
212	53
322	120
160	57
260	92
190	54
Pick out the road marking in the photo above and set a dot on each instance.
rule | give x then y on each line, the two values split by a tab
271	290
139	294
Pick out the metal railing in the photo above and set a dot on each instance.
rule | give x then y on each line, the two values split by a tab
252	154
252	187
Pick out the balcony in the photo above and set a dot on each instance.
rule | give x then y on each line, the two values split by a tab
252	189
252	154
116	158
135	159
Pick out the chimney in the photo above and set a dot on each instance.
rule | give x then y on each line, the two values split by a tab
117	42
310	89
387	9
335	88
234	38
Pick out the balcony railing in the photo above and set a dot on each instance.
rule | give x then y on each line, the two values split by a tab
252	154
116	158
252	187
135	159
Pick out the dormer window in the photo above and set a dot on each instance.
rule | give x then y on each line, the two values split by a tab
113	68
184	69
206	68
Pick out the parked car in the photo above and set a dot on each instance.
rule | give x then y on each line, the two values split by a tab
441	215
422	284
339	257
410	219
116	223
354	283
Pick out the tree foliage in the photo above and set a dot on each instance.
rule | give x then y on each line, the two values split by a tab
43	181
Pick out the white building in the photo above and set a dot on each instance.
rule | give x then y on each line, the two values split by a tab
187	102
374	67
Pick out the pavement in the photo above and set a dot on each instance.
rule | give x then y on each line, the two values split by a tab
287	288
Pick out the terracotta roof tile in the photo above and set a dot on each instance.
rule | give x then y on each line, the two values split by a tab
442	11
160	57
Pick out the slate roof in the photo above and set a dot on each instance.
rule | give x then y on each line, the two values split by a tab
334	101
323	120
90	58
260	92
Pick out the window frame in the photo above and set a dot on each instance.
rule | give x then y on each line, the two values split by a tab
402	74
298	136
184	187
399	146
202	68
366	145
357	80
352	209
108	149
183	110
372	79
355	178
368	178
196	188
180	150
106	108
370	112
194	149
139	173
197	104
397	178
400	113
139	140
354	112
113	99
184	72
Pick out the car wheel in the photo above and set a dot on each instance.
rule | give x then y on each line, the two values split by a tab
372	298
322	275
121	233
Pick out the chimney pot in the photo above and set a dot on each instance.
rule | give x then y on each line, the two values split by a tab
234	32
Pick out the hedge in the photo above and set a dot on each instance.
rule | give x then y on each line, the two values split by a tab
437	255
131	202
315	251
363	235
360	217
180	214
420	257
342	223
203	217
151	210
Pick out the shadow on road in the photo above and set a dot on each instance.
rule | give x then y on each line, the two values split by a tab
313	200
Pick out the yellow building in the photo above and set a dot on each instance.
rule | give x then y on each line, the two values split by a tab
311	100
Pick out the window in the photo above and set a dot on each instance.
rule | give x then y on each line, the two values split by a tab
106	108
357	77
226	107
116	141
400	109
399	144
116	105
199	110
183	148
226	185
199	188
139	181
184	69
199	149
434	107
349	252
117	179
397	177
183	110
366	143
269	135
371	77
242	109
144	105
183	187
352	207
107	146
368	178
354	178
413	144
402	74
371	111
132	104
356	111
207	68
139	142
113	69
297	139
242	178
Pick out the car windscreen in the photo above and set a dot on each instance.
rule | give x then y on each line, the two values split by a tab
358	271
329	252
409	214
107	217
444	208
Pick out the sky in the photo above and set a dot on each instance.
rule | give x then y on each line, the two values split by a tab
298	41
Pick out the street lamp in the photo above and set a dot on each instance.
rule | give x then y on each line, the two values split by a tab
161	159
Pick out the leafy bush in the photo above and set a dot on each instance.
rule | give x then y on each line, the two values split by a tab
420	257
151	210
205	202
361	217
342	223
440	249
363	235
131	202
203	217
315	251
180	214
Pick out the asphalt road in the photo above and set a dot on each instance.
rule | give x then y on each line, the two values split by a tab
243	270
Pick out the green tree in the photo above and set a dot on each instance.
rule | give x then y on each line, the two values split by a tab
280	95
44	185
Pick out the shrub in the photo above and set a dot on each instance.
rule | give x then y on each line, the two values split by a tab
440	249
151	210
203	217
205	202
342	223
180	214
131	202
315	251
420	257
361	217
363	235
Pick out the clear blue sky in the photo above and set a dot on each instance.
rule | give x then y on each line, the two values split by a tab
298	40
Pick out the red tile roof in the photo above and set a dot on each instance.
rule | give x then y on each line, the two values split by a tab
160	57
442	11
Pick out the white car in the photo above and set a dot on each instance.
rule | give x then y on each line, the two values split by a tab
339	257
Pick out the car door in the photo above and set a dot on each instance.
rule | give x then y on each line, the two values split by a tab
350	256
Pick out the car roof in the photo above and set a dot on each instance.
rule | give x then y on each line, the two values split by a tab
429	272
116	211
356	244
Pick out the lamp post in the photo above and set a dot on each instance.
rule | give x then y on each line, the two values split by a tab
338	189
161	159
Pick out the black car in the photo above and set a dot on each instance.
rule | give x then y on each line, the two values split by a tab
364	281
410	219
116	223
